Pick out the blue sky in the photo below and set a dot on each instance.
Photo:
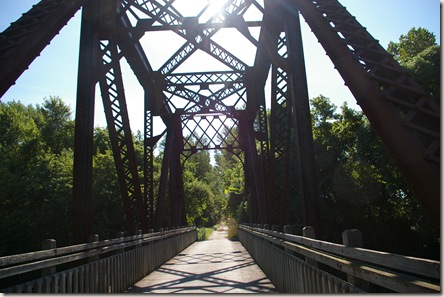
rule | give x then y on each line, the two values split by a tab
54	73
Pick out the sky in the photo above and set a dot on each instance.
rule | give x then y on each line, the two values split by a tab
54	72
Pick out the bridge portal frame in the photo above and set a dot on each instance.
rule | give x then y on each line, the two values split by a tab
382	88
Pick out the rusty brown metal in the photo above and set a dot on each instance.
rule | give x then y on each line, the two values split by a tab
375	78
26	38
405	118
301	118
81	221
116	113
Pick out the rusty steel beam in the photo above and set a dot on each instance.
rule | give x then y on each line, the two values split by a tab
116	113
362	77
163	182
26	38
280	146
254	175
298	91
177	194
81	220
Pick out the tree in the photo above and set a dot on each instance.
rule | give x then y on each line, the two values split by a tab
419	53
57	126
36	173
205	204
410	45
425	67
35	181
19	144
360	187
231	171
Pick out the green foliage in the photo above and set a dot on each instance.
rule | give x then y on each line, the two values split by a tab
198	198
425	67
232	228
359	185
204	200
57	128
419	53
204	233
231	172
361	188
107	203
410	45
36	177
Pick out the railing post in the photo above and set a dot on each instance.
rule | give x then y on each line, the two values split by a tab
353	238
139	235
120	235
93	238
276	228
309	232
48	244
288	230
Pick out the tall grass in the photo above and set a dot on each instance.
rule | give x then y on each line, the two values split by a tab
204	233
232	228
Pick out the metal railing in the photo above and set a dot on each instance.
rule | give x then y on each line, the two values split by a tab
108	266
291	263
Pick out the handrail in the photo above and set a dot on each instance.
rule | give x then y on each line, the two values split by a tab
419	266
39	255
23	263
392	271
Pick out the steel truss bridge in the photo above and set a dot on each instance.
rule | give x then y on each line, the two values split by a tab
225	109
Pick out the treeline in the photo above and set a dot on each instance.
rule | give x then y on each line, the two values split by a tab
361	188
359	185
36	171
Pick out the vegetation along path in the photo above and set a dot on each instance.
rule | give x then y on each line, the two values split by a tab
216	265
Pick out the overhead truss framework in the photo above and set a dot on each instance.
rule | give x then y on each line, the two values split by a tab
211	95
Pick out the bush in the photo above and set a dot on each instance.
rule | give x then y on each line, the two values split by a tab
232	228
203	233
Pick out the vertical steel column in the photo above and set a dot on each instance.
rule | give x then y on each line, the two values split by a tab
280	137
298	92
177	195
266	54
254	171
148	164
84	126
257	176
280	117
256	107
163	183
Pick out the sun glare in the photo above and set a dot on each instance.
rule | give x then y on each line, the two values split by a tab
215	7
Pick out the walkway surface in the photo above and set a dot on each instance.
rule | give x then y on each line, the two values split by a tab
217	265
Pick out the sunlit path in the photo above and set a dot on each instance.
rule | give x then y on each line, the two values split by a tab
217	265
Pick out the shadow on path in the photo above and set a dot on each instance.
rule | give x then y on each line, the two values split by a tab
217	265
